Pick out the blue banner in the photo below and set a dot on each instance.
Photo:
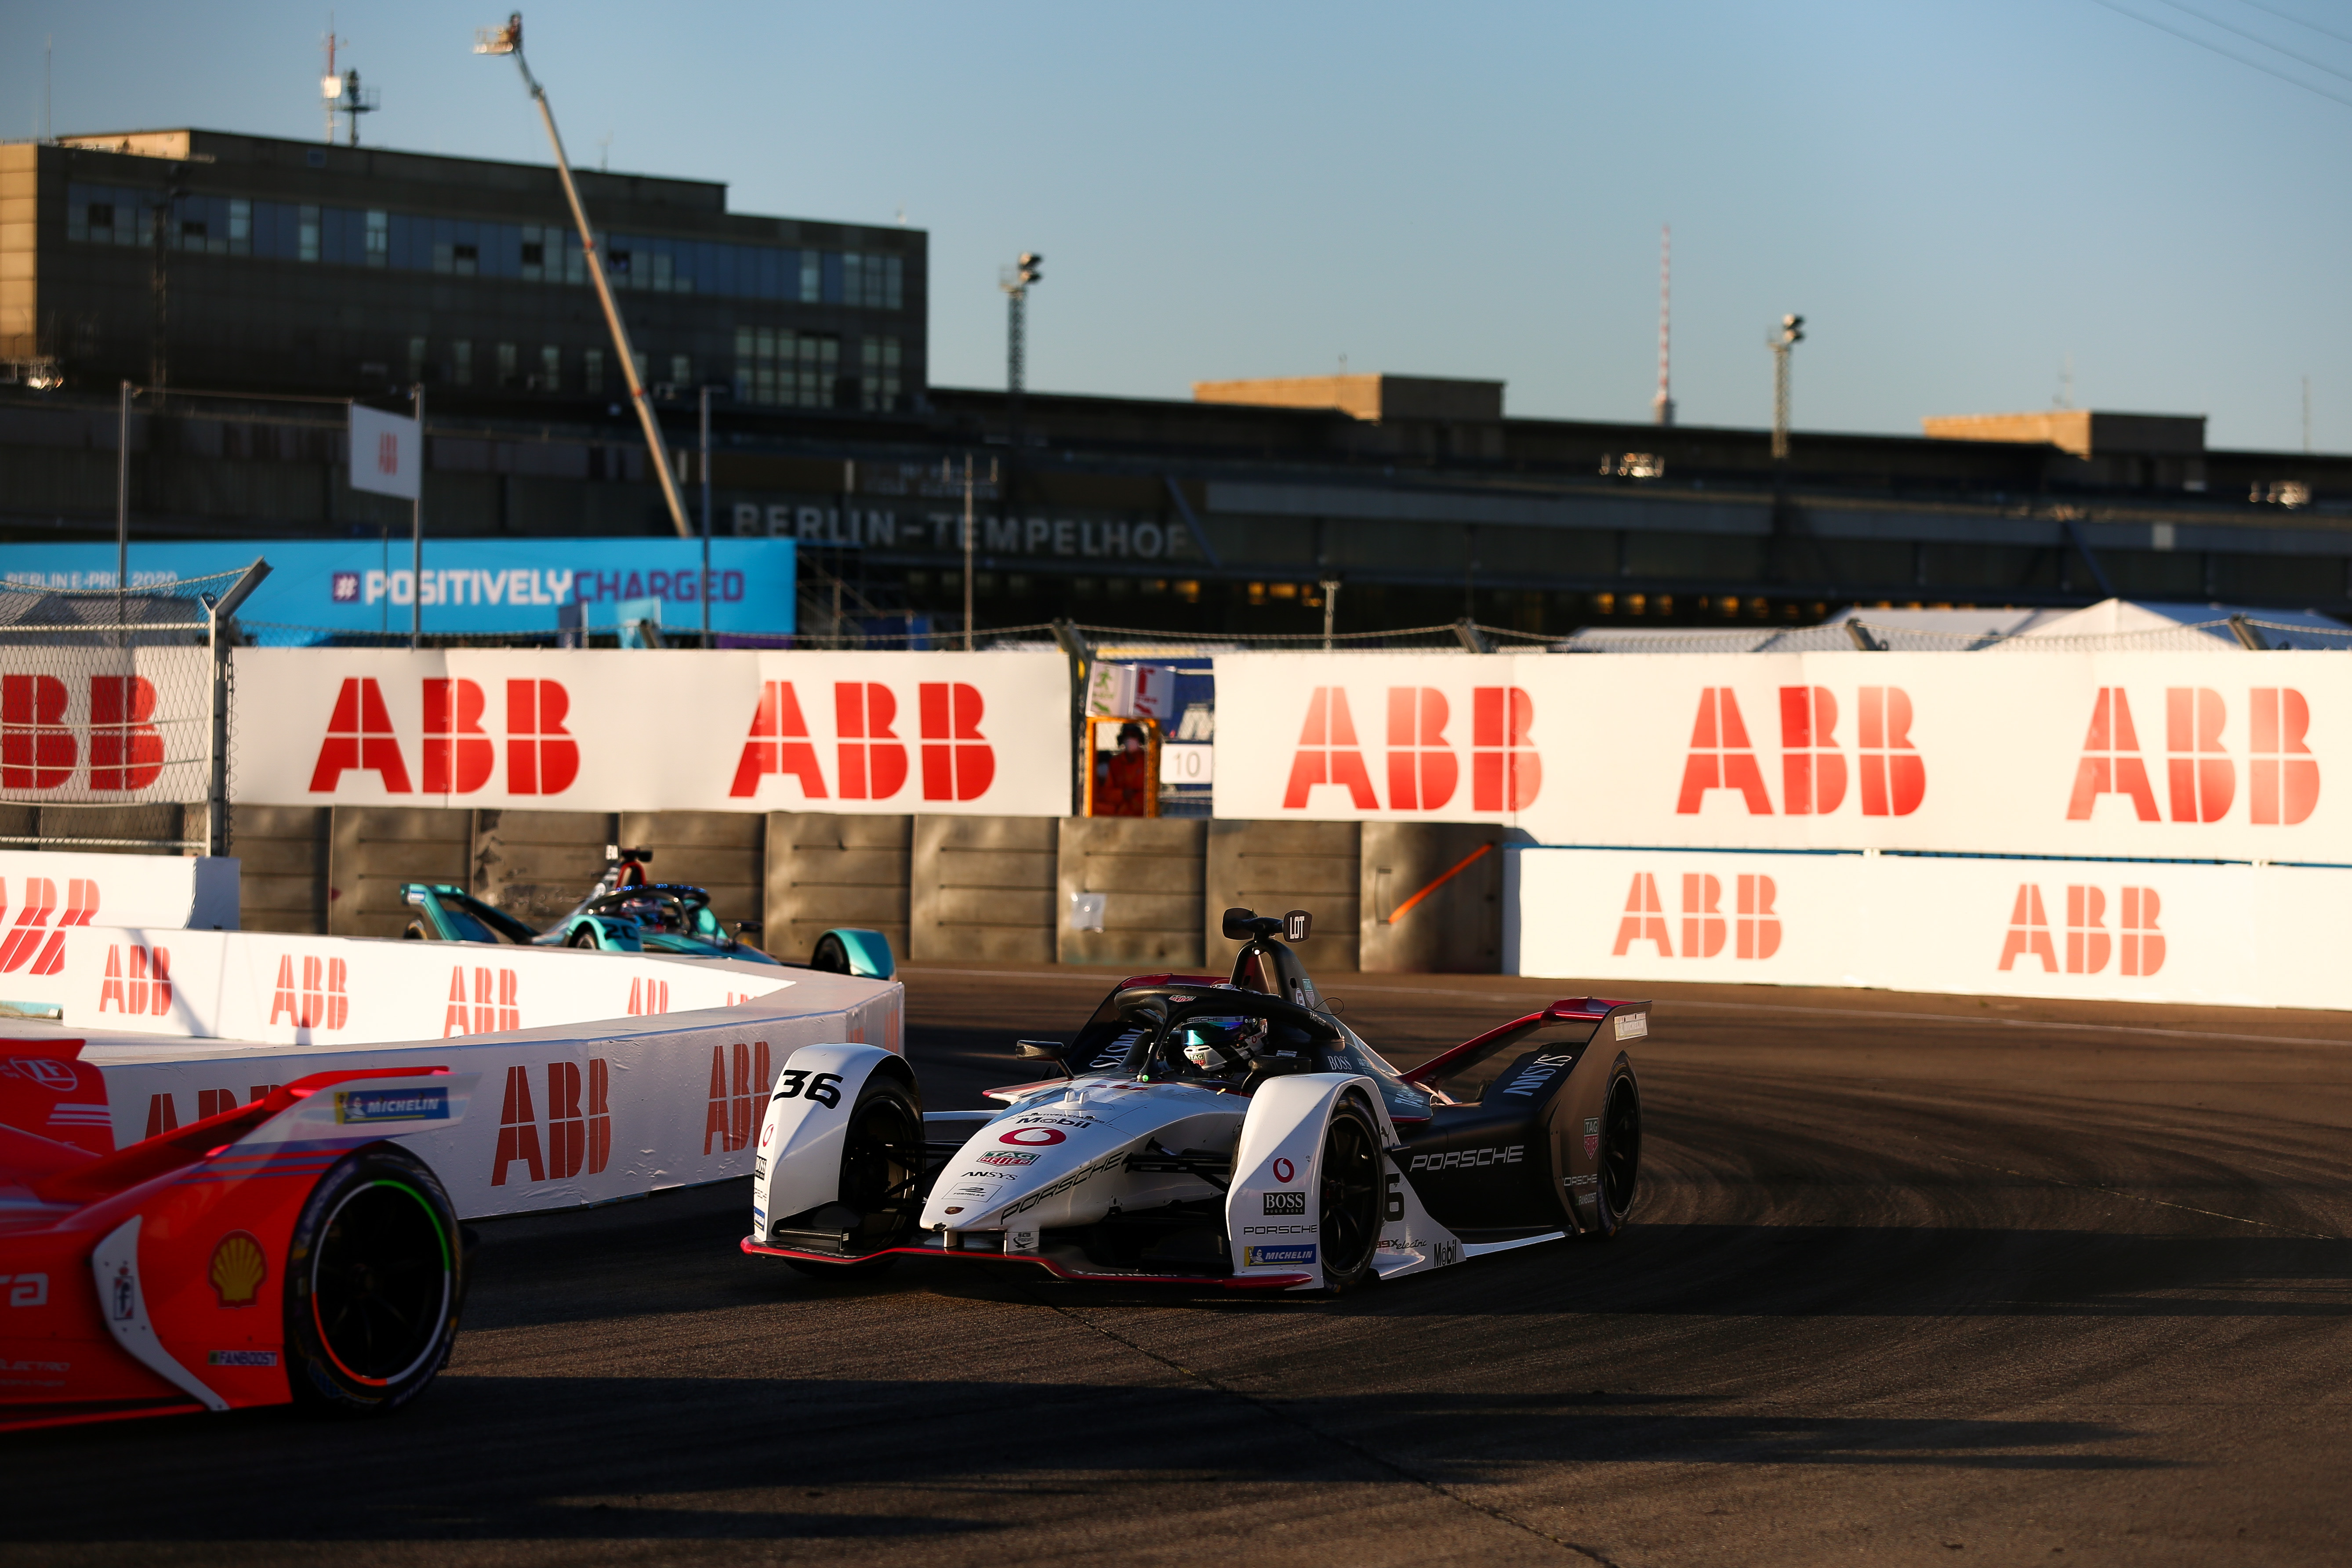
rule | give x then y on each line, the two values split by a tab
318	588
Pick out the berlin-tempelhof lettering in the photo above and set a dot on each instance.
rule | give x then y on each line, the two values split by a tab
940	532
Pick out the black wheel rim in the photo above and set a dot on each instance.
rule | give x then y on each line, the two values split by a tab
1621	1148
879	1166
380	1278
1351	1196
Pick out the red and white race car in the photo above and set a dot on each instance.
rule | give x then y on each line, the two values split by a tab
288	1250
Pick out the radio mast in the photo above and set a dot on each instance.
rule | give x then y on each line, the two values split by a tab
1662	406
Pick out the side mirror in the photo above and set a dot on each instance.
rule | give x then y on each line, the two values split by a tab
1238	925
1296	925
748	927
1042	1051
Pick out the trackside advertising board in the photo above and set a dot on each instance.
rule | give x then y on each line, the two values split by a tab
2267	936
612	729
570	1109
2229	756
366	585
44	891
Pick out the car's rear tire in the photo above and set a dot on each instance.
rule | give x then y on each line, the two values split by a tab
1352	1194
830	956
582	935
1621	1153
881	1172
375	1275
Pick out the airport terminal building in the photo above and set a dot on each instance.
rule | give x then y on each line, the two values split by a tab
193	259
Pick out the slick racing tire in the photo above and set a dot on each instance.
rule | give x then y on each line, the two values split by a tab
375	1279
582	935
881	1172
1352	1195
830	956
1621	1153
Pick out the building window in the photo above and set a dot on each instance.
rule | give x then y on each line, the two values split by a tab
592	370
681	371
550	369
878	386
812	278
379	238
507	365
308	250
461	363
415	360
876	282
240	228
777	366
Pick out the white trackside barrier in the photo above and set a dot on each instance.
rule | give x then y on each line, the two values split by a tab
2187	756
603	1075
46	890
2114	930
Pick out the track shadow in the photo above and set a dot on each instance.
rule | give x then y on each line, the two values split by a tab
549	1458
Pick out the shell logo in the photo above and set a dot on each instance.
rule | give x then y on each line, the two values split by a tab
238	1269
1033	1137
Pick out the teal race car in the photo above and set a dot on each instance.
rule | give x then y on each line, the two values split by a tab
646	917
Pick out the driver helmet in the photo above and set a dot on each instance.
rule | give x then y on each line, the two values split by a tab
1220	1045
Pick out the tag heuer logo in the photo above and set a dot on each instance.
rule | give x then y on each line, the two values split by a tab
1285	1203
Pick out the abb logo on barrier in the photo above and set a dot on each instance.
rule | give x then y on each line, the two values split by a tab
869	756
2135	942
320	1000
2200	776
496	1005
38	749
137	981
1753	927
30	940
457	753
1423	768
647	997
732	1112
1891	776
163	1111
575	1139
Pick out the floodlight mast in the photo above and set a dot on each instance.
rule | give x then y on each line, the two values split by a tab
508	40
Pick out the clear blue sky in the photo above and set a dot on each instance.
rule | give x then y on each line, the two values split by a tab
1957	196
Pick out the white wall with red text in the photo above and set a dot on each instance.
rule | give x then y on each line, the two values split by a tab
607	729
2244	756
2241	935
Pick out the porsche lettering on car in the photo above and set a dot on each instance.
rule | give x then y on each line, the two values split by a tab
1217	1131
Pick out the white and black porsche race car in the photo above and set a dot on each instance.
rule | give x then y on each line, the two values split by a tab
1212	1131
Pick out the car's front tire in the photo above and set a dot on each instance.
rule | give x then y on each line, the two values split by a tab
582	935
375	1275
881	1171
1352	1194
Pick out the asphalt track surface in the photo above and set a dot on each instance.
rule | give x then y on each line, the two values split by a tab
1912	1280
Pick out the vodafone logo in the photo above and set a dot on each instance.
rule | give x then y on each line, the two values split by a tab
1033	1137
1421	768
2201	775
870	756
1888	777
1751	927
41	748
1283	1170
458	754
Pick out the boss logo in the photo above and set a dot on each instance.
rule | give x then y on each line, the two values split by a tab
1285	1203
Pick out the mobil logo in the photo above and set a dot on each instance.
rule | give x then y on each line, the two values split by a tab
138	981
457	752
1421	766
2200	772
32	945
953	759
115	747
2098	927
1751	927
578	1131
740	1081
311	992
490	1005
1884	775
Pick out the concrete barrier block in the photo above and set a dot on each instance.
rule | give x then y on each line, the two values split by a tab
1150	873
982	888
536	865
373	849
1432	898
1272	866
827	870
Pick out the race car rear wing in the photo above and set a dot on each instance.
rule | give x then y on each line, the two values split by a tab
358	1106
1615	1021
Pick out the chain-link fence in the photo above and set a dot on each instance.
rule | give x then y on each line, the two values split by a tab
2229	634
114	720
